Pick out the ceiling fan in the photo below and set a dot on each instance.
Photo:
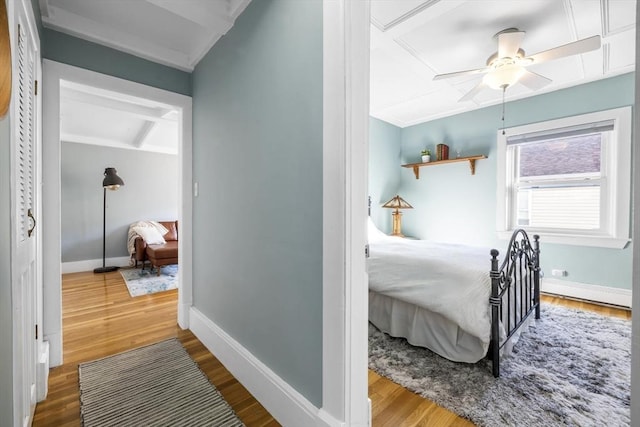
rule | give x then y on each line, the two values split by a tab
508	65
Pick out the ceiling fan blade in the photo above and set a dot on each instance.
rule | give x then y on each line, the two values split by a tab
473	92
573	48
460	73
534	81
509	42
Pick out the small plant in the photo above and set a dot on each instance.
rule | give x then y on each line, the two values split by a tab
426	156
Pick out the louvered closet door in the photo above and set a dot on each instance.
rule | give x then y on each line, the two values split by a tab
25	58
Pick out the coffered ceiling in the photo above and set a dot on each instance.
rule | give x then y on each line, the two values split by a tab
413	40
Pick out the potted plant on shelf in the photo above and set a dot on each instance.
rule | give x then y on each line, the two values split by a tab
426	156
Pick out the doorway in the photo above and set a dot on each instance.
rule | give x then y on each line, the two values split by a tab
56	75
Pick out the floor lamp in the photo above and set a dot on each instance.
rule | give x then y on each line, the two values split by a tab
112	182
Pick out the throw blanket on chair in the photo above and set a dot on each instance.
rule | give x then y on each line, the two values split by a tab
131	239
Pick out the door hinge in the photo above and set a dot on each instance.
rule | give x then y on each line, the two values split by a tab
36	88
36	331
366	251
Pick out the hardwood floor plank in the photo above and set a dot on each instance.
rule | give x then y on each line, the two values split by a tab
101	319
605	310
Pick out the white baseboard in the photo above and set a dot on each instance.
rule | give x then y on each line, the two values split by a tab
596	293
42	372
282	401
90	264
183	314
55	348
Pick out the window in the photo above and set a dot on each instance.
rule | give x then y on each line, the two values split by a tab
568	180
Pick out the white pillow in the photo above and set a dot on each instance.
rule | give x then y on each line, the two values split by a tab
150	235
375	235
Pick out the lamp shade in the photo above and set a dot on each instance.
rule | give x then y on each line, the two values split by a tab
111	179
503	77
397	202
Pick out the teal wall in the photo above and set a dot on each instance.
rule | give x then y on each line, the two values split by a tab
384	173
71	50
257	150
451	205
6	323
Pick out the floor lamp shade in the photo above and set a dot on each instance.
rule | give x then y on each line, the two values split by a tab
111	181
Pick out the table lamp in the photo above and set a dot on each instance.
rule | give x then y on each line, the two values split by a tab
397	203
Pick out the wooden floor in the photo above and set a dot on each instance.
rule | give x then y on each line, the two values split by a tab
101	319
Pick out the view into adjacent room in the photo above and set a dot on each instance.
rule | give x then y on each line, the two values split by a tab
138	138
487	117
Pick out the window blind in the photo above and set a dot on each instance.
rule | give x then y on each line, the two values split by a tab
559	133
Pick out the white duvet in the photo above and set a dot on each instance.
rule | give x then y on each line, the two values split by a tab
452	280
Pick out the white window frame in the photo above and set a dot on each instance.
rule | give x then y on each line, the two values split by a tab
616	158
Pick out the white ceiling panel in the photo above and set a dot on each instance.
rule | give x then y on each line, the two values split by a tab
388	13
399	77
100	117
621	50
620	15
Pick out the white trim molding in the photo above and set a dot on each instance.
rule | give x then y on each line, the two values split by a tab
635	319
584	291
282	401
53	75
346	32
615	201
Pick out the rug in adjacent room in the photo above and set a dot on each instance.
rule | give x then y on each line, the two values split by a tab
144	282
157	385
572	368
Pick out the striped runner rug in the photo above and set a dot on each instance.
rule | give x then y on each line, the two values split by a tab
156	385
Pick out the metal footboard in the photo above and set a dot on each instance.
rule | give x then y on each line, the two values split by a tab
515	290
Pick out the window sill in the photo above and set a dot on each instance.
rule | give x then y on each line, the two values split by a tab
568	239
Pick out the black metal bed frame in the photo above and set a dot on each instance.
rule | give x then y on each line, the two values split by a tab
515	290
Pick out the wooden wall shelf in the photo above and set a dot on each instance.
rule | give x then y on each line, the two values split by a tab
471	159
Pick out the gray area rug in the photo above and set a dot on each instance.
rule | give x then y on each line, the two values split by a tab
156	385
572	368
147	281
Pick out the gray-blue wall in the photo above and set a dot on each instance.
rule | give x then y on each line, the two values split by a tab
452	205
150	193
257	149
384	173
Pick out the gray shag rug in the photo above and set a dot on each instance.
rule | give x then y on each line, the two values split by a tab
158	385
571	368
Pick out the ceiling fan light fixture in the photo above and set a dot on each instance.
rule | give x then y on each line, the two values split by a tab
503	77
508	64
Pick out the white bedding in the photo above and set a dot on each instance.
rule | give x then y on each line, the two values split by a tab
451	280
436	296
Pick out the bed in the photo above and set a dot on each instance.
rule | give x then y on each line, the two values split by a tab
459	301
